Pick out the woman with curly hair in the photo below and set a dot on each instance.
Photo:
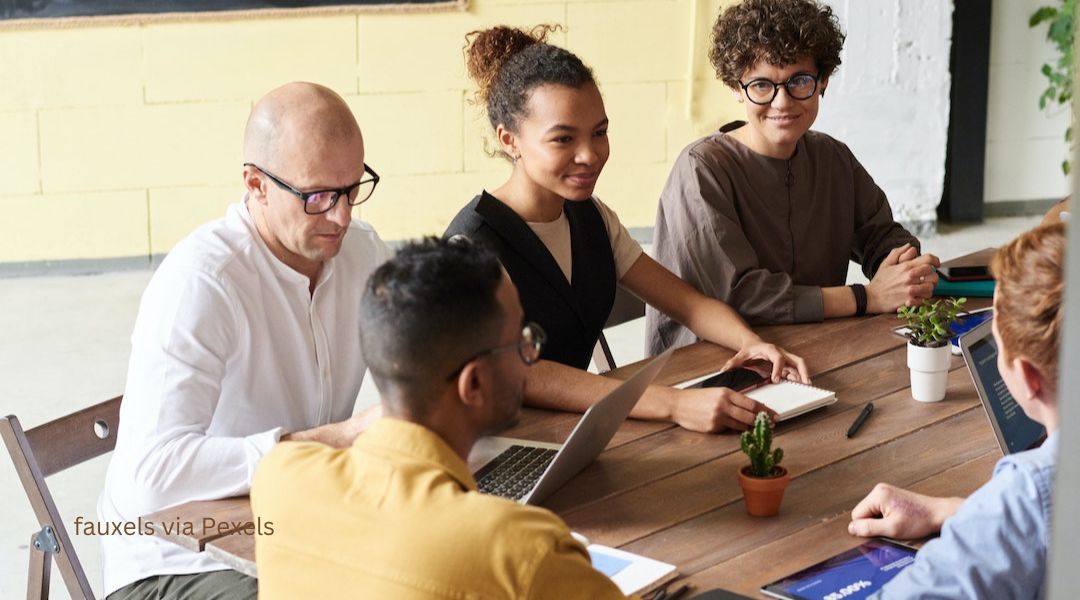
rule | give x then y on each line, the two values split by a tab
764	213
566	251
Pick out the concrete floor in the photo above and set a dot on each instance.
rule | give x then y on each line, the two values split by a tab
64	345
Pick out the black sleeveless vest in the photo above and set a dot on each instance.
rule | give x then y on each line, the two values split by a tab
573	315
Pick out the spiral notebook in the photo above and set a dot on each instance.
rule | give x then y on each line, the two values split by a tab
787	398
790	399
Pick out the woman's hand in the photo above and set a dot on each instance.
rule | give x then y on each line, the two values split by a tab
769	361
709	410
903	279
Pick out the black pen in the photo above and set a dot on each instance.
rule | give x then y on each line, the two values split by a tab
859	420
679	593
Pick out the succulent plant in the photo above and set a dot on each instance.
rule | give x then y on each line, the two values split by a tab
929	322
757	444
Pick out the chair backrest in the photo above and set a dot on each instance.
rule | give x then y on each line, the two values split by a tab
43	451
626	307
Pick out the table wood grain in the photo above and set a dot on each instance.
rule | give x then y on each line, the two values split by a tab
193	524
672	494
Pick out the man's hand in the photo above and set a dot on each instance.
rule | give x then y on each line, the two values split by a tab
359	422
710	410
894	512
903	279
780	363
341	434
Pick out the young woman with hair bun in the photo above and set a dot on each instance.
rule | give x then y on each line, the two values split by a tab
566	251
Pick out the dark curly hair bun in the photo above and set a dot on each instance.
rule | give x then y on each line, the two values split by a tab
777	31
507	63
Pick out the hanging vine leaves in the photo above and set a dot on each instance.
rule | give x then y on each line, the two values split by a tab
1059	76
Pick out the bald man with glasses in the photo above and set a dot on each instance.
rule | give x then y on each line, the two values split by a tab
247	335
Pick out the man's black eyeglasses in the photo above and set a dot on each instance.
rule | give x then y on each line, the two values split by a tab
763	91
319	201
528	347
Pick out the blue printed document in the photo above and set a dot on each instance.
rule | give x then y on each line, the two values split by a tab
606	563
633	573
852	575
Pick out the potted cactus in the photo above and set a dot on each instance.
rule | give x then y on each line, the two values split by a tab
763	481
928	345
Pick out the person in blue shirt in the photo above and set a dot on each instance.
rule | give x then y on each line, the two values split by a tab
993	544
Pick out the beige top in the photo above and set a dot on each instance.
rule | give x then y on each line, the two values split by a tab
555	236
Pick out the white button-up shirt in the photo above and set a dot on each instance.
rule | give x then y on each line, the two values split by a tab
230	351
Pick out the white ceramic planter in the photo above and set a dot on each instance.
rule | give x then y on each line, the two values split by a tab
929	372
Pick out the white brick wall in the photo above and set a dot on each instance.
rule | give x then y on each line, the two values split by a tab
889	100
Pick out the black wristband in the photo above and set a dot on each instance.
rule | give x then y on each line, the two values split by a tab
860	298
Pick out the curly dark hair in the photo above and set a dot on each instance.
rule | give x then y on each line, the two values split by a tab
507	63
778	31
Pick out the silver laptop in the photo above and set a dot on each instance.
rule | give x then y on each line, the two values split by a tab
1015	431
529	471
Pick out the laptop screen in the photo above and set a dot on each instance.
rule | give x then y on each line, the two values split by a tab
1017	430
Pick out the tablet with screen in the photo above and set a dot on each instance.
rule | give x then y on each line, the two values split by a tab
737	379
854	574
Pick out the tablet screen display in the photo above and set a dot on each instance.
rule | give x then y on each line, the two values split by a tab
736	379
966	323
854	574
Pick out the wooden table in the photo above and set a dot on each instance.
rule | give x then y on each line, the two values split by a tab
672	494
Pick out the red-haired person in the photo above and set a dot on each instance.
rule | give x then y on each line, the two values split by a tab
993	544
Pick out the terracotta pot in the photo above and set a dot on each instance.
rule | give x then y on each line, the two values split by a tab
763	494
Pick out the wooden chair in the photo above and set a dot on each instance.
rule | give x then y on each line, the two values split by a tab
626	307
43	451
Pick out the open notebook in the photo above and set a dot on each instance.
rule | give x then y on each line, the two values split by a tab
790	399
787	398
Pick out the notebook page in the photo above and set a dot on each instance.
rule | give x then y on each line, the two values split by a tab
789	397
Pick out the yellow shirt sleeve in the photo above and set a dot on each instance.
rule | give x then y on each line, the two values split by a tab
565	572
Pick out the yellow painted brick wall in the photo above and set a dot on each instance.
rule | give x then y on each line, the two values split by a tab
118	141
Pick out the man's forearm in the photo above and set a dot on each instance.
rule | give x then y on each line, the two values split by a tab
338	435
333	434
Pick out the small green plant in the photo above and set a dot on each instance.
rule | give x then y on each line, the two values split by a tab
1059	76
929	322
757	444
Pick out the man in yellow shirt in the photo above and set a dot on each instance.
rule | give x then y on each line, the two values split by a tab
397	514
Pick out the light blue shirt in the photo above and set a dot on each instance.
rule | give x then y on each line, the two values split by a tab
996	545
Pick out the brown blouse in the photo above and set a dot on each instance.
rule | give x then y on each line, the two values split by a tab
765	234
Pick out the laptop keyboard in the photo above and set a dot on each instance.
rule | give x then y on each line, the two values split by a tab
513	473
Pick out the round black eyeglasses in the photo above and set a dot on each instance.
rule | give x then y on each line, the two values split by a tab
317	202
763	91
528	347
